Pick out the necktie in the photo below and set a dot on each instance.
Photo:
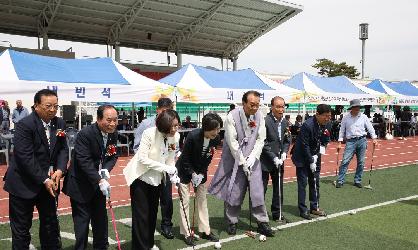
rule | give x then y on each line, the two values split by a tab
48	133
105	140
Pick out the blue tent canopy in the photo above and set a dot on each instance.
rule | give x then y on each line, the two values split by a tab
174	78
338	84
376	85
403	88
51	69
241	79
296	82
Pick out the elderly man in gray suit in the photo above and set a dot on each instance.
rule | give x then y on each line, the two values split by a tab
274	153
240	166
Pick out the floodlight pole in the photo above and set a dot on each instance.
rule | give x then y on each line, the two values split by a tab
363	48
363	36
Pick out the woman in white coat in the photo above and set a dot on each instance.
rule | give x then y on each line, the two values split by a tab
145	174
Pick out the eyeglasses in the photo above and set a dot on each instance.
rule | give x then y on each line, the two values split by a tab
50	106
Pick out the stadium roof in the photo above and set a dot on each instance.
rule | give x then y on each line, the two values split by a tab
216	28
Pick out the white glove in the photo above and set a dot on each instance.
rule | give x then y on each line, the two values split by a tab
315	159
313	167
250	161
197	179
284	156
171	170
174	179
278	162
104	173
246	169
105	188
178	154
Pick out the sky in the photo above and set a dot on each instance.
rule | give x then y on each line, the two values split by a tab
324	29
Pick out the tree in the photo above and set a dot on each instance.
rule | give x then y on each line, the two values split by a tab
329	68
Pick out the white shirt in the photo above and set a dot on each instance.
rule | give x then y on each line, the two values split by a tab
47	127
355	126
279	127
205	145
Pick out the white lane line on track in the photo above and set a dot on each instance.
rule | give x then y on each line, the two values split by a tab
288	180
289	225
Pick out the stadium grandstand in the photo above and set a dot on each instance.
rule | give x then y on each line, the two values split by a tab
214	28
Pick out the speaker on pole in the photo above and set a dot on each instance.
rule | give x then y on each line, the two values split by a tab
68	113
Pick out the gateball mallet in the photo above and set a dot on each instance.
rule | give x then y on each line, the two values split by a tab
184	212
50	173
109	202
337	165
369	186
250	233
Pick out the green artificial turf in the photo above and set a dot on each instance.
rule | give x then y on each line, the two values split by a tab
389	227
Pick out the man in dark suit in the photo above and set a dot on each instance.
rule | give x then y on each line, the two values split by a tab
39	145
306	155
274	153
94	156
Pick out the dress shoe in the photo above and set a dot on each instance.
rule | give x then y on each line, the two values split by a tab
209	237
281	220
358	184
318	212
232	229
338	185
167	233
189	240
265	229
306	216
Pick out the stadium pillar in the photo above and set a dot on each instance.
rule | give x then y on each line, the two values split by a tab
117	53
45	42
179	60
235	64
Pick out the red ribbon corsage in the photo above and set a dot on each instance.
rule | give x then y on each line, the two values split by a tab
111	150
60	133
171	147
287	131
252	124
212	151
326	132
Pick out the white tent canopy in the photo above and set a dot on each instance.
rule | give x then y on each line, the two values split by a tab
330	90
202	85
85	80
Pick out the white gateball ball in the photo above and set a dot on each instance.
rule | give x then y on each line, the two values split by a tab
218	245
262	238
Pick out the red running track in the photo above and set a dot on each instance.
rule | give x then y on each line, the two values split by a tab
388	154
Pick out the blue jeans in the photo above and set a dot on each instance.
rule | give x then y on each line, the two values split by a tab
357	146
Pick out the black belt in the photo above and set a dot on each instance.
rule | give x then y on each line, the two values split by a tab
356	138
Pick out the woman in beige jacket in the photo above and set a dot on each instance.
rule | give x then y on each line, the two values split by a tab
146	172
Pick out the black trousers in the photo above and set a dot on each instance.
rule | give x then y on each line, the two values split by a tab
277	200
21	214
166	203
144	206
95	212
305	176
